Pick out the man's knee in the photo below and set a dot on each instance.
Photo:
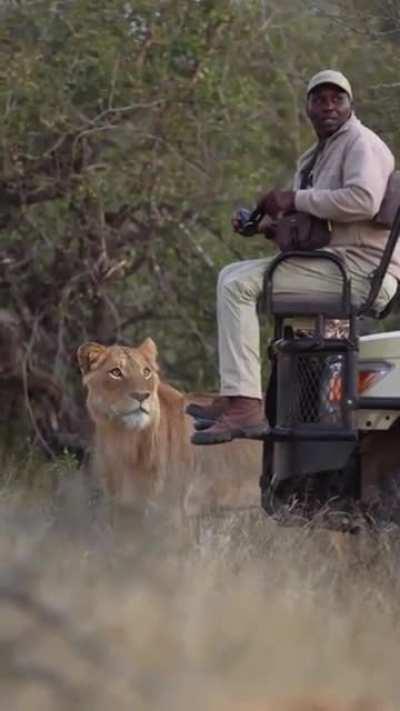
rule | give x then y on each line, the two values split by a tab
235	288
226	272
242	281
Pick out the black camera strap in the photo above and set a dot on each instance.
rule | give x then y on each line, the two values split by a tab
306	178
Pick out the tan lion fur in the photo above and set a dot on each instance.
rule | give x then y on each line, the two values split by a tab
145	455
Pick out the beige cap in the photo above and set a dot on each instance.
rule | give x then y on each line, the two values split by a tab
330	76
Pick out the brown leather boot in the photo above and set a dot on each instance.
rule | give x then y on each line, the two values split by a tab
244	418
208	412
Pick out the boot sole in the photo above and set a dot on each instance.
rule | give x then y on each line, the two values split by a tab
203	424
256	432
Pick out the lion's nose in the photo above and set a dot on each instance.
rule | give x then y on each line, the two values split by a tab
140	397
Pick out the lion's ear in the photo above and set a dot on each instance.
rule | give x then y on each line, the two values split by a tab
149	350
89	355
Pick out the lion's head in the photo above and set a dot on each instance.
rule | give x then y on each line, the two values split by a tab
122	383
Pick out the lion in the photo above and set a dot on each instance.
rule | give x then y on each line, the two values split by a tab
142	451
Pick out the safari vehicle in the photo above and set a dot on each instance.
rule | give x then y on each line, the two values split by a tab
324	397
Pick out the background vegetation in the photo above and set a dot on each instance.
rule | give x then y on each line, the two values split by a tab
129	132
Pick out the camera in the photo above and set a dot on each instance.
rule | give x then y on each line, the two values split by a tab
248	221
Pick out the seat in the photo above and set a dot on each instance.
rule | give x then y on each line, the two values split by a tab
327	306
339	307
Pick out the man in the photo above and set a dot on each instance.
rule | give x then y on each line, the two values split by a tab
342	179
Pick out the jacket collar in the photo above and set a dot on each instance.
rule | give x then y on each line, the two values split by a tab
350	123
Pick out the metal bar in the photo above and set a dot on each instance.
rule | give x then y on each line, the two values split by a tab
380	271
327	345
378	403
278	434
346	307
350	389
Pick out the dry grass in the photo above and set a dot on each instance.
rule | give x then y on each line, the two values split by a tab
131	616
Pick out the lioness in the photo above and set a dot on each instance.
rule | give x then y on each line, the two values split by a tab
142	450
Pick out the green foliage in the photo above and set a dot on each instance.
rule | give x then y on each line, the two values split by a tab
129	133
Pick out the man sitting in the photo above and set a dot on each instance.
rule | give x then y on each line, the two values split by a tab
342	178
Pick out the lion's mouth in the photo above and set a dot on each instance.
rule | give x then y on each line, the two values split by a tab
136	411
136	419
134	414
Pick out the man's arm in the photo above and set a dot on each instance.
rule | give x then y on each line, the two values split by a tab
366	171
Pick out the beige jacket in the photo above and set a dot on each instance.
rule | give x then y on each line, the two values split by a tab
349	181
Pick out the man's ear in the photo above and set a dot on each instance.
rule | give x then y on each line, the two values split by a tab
90	355
149	350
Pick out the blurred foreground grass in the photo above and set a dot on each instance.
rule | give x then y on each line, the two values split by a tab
133	616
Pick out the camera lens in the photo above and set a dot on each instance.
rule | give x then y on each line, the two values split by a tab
243	216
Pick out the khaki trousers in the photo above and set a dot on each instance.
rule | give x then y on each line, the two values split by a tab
239	288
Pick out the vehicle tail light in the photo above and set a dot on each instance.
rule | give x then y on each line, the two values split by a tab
369	374
367	377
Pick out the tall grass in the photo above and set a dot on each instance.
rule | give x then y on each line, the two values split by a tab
103	612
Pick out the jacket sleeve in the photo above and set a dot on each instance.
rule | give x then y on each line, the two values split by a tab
366	170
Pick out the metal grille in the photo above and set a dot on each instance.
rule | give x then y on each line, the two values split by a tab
311	390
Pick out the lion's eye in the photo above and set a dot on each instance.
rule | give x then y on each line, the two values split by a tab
116	373
146	372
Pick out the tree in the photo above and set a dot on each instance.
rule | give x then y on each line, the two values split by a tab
129	133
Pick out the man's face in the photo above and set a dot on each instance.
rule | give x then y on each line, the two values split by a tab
328	107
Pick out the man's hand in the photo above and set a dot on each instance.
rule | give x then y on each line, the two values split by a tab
267	226
235	222
277	202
